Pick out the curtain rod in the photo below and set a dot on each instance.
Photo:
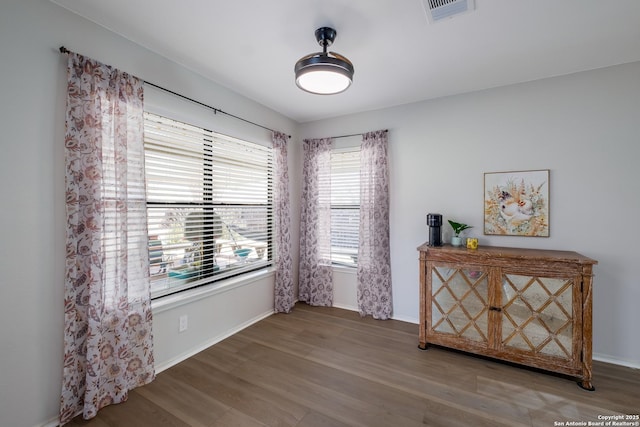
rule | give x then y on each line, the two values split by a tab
354	134
215	110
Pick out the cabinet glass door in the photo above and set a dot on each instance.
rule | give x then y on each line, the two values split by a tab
537	314
460	302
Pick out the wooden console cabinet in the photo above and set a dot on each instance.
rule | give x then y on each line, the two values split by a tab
527	306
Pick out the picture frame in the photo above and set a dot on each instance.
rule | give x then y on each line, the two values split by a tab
516	203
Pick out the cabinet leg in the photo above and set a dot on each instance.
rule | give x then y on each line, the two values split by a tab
423	346
586	385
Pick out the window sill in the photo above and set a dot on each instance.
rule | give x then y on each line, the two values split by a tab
172	301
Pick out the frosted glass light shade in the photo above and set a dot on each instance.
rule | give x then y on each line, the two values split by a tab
324	73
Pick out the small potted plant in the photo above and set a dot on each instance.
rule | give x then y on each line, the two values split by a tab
458	227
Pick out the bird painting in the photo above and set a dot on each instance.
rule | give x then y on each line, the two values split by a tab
516	203
515	211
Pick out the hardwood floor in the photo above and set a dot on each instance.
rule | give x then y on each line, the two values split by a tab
319	367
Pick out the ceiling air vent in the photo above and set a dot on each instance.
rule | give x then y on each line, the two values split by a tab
437	10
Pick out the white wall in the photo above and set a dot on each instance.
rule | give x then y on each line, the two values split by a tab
32	213
584	127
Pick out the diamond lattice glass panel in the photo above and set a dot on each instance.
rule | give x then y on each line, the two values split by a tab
482	321
445	326
552	284
518	342
473	304
459	302
508	329
518	312
554	349
445	272
535	295
537	314
482	282
565	339
514	318
458	285
472	333
519	282
565	300
554	317
436	316
444	301
458	318
536	332
438	276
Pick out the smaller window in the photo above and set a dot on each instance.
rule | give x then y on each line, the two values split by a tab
345	206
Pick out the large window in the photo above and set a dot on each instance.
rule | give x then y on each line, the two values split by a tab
209	205
345	206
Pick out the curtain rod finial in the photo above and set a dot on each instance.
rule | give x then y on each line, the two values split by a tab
64	50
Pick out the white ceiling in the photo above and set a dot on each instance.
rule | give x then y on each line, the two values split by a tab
251	46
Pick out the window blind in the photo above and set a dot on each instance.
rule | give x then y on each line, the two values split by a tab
209	205
345	206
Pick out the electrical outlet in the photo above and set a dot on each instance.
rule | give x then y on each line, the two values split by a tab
183	323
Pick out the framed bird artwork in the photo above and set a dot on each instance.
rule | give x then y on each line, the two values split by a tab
516	203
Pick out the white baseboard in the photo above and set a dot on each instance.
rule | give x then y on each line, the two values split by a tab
51	423
615	361
203	346
399	318
406	319
345	307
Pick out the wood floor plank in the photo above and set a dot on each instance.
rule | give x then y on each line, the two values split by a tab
392	329
183	400
458	398
136	411
315	419
411	361
346	408
537	400
235	418
340	381
439	414
405	394
320	367
222	359
248	398
95	422
354	319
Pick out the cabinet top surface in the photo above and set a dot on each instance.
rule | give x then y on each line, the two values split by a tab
497	251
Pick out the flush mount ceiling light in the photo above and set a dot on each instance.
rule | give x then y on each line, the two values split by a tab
324	73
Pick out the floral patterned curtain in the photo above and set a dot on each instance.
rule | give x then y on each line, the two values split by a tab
316	274
284	294
107	308
374	264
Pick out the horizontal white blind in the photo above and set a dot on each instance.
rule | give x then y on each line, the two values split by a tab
209	204
345	206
